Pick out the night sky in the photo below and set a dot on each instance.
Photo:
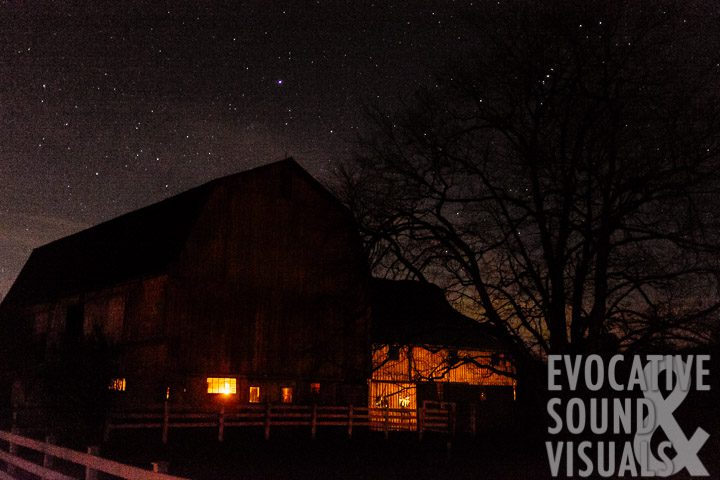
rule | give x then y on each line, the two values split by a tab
105	109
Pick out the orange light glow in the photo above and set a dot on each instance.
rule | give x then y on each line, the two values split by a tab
397	371
117	384
443	365
254	396
221	385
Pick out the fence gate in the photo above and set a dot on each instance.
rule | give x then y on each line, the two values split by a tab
437	417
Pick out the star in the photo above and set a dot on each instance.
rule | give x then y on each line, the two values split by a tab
201	109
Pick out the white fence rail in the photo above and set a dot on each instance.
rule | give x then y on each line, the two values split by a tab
92	464
428	418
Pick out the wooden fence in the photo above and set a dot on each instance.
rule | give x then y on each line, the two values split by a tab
431	417
48	453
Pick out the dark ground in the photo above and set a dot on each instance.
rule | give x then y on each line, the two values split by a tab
512	449
293	455
516	451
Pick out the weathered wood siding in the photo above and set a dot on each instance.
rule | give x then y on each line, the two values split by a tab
395	377
271	285
423	364
128	318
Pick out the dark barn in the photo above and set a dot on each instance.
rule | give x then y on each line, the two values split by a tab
252	285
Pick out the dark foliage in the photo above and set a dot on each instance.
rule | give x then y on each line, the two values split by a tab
561	180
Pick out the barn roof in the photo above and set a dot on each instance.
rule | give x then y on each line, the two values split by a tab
408	312
140	243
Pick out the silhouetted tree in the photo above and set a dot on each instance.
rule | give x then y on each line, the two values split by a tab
562	179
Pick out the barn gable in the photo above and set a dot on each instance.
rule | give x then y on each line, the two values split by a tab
141	243
259	277
408	312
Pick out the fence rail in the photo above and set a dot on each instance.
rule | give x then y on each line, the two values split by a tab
439	417
91	462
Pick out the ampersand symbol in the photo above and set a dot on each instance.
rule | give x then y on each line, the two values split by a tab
686	449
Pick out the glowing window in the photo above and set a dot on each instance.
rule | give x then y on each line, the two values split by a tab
315	388
404	402
254	395
222	385
287	394
117	384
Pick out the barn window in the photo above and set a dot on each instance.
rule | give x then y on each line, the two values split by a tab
254	396
222	385
315	388
287	394
117	384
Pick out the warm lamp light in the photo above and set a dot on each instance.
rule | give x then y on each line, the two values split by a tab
223	386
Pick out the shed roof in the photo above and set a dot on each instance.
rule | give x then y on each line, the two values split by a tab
408	312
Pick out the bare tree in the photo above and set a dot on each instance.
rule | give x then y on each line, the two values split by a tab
562	179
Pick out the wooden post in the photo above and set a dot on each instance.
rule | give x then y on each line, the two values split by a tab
473	419
451	419
267	421
221	424
47	458
107	428
160	467
386	423
91	474
12	448
166	422
350	420
421	421
313	422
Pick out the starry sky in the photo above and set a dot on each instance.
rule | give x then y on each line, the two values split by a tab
105	108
